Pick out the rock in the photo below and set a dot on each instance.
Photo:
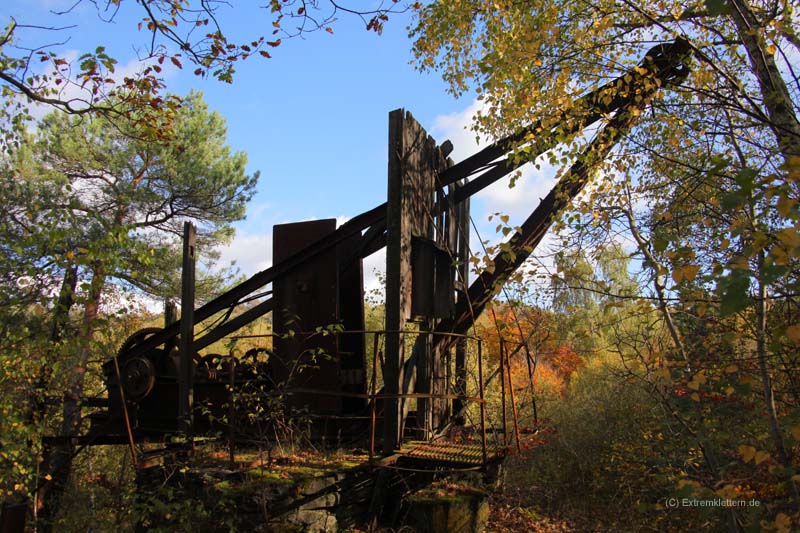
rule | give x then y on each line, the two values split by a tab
455	510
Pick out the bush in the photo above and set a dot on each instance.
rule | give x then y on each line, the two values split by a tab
598	458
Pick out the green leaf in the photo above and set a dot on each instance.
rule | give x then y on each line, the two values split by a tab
772	273
660	243
746	179
733	293
717	7
732	200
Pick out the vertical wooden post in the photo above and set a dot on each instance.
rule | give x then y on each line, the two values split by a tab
170	312
170	316
185	392
424	382
503	392
483	401
395	320
374	397
232	411
462	283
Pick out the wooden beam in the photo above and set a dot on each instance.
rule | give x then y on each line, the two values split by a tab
186	346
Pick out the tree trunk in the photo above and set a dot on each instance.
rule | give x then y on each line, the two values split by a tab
61	310
58	459
784	456
783	121
776	97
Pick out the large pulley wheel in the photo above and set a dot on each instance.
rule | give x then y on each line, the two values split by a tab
137	338
138	377
137	374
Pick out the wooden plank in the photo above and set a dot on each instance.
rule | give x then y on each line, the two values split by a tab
395	276
420	289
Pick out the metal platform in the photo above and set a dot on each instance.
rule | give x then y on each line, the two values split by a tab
449	453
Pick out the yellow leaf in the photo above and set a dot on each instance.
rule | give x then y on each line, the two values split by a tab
761	456
789	237
795	432
785	205
70	255
731	369
793	333
747	452
695	397
690	272
728	492
697	380
783	522
770	49
663	373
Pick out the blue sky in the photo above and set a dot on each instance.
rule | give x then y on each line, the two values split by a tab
313	119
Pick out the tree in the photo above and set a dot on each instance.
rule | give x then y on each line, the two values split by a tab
92	207
706	184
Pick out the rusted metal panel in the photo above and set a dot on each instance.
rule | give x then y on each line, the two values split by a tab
444	294
423	267
432	288
305	299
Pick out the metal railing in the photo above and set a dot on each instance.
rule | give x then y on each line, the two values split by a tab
454	381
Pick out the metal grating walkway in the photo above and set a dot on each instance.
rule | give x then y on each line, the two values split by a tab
448	452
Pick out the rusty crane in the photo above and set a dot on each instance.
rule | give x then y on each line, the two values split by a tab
316	281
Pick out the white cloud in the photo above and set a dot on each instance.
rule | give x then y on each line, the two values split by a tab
456	128
250	252
518	202
256	210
